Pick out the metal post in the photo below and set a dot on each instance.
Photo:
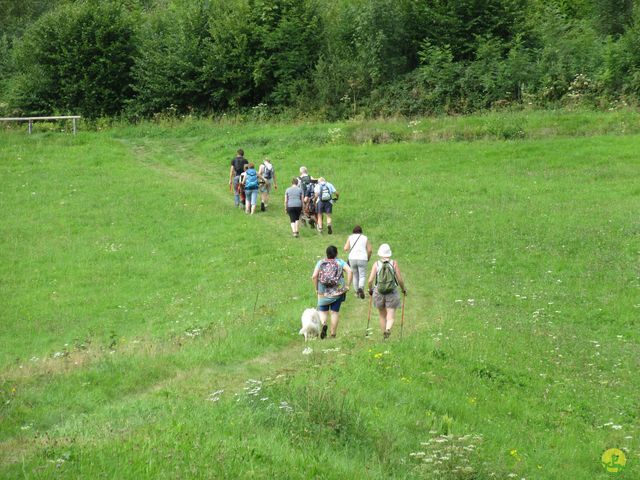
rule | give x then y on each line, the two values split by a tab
30	126
74	126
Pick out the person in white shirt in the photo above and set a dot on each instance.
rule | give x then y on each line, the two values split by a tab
359	250
268	174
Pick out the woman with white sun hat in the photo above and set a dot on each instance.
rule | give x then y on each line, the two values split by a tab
384	280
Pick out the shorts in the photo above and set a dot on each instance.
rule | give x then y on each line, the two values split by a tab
334	307
252	196
294	213
324	207
265	187
386	300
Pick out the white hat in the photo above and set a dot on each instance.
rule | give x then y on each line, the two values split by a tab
384	251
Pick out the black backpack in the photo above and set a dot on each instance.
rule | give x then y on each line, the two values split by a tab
305	181
238	165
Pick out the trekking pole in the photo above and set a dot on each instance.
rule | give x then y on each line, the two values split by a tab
366	332
404	296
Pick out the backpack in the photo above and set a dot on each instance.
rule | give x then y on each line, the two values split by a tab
267	172
251	180
304	181
308	192
238	165
325	193
329	273
386	278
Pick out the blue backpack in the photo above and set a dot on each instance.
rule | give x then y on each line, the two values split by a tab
251	180
325	193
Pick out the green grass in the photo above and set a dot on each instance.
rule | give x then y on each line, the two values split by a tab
132	291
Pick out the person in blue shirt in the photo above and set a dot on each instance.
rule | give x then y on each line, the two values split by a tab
324	194
331	288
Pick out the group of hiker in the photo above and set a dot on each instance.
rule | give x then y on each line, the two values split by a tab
247	182
307	201
332	279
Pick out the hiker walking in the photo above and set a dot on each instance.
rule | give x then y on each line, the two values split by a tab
268	174
325	194
386	278
237	167
331	288
359	250
293	205
250	182
307	183
240	188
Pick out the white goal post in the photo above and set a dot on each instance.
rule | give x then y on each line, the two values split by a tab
32	119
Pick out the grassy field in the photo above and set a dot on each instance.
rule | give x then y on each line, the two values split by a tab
149	329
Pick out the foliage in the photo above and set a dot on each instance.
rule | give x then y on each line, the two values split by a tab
327	58
76	59
168	73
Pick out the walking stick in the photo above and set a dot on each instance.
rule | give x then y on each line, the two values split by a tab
404	296
366	332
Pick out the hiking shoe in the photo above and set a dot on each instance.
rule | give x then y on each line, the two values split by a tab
323	333
262	208
386	334
361	293
329	230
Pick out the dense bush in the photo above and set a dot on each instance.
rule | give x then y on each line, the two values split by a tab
330	58
168	70
76	59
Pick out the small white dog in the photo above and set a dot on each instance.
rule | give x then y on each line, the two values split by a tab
310	323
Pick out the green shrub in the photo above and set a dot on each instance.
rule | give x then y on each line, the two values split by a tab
168	71
76	59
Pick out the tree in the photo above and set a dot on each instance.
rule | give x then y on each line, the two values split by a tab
168	69
76	59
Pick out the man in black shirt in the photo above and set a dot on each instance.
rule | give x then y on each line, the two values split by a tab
237	167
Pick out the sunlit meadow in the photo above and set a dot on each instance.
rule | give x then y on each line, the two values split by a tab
149	329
